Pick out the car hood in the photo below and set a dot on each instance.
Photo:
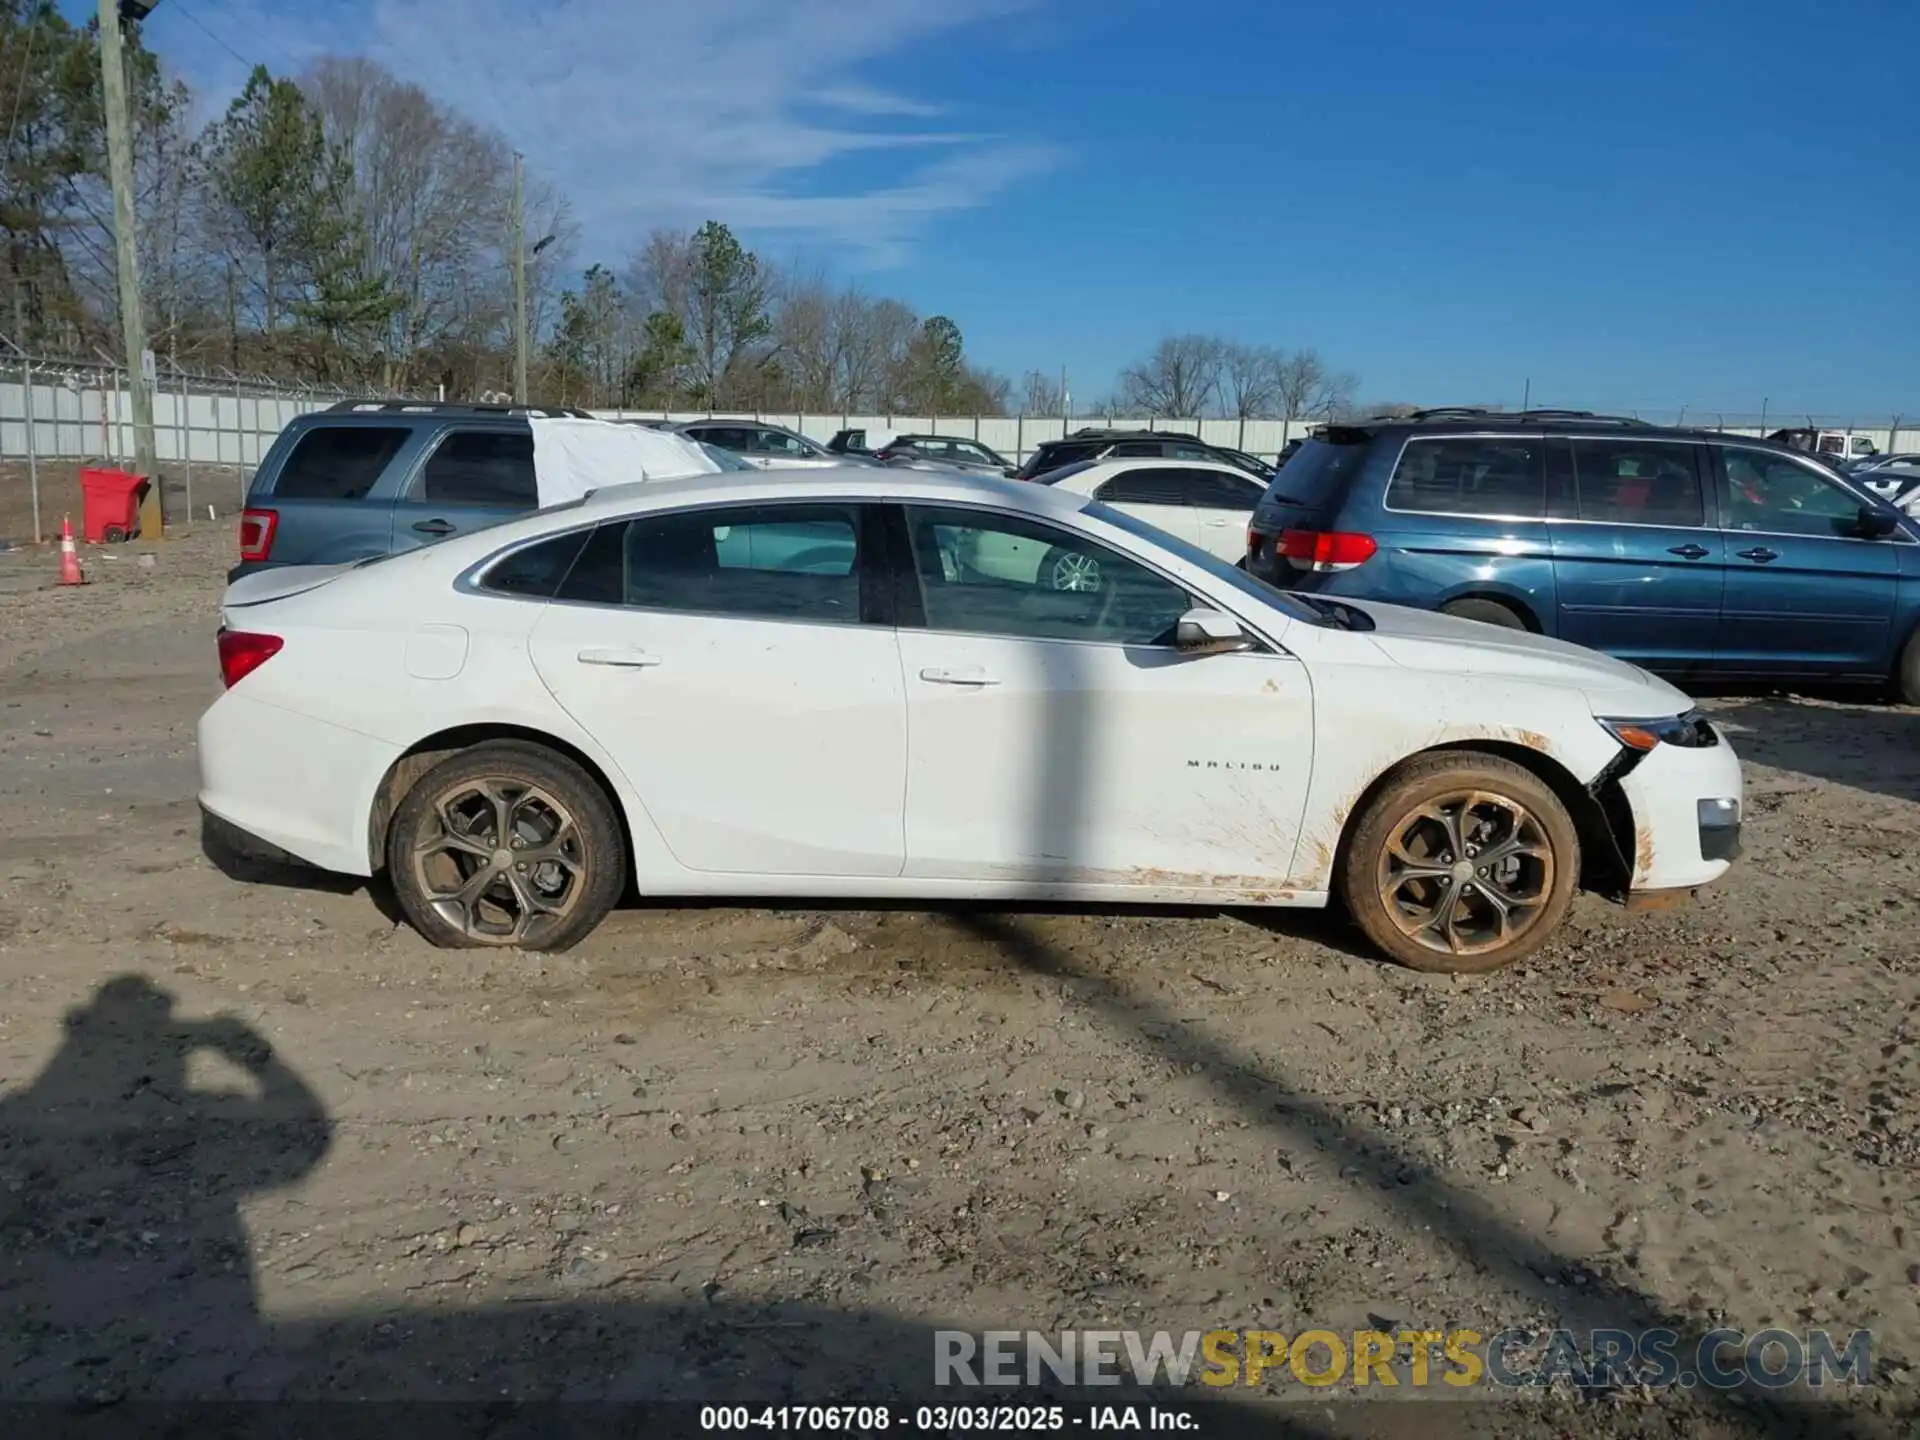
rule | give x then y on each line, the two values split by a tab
1426	640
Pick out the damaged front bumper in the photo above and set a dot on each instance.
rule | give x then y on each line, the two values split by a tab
1673	816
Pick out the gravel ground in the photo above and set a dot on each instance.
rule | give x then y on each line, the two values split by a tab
261	1141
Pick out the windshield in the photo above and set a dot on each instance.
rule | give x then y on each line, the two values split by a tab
1289	605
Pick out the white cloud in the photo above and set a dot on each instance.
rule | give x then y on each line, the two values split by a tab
664	112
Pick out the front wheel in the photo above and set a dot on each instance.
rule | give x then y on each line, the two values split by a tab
506	844
1462	863
1906	672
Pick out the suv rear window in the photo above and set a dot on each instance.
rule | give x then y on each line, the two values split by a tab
1469	475
1319	471
338	462
1056	455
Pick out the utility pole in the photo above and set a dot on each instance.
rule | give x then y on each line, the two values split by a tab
519	283
113	76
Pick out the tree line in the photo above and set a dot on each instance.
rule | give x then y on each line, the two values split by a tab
344	228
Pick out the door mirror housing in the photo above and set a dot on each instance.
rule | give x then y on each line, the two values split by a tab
1210	632
1877	524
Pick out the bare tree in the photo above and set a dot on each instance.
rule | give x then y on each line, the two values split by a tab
1179	380
1042	394
1249	380
1305	389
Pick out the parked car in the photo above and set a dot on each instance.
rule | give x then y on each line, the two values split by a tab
1837	447
765	446
367	477
1894	478
951	451
798	685
1201	501
1097	444
1693	553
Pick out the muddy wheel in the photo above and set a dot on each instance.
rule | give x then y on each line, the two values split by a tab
1065	569
1906	672
506	844
1488	612
1463	863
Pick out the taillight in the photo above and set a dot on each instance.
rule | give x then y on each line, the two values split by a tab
242	652
256	534
1325	550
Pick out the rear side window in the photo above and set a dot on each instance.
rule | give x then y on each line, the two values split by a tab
1144	487
481	467
338	462
536	572
785	562
1466	475
1628	482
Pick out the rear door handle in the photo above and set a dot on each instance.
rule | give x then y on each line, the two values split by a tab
434	527
626	659
1688	552
974	676
1760	553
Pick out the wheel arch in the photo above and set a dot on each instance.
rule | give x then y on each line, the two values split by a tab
429	751
1518	601
1602	867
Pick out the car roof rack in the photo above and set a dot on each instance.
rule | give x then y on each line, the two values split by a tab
1098	432
452	407
1507	417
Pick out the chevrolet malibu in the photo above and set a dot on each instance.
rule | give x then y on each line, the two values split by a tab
807	686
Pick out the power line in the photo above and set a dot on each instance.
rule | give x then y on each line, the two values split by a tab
195	21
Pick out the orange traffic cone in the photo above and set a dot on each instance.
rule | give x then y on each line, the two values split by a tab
69	557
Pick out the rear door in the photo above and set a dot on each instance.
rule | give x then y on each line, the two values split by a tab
474	476
1220	504
1806	594
1637	562
328	497
1156	494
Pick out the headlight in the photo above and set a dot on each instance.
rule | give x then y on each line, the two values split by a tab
1686	732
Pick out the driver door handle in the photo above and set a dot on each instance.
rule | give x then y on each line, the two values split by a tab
973	676
1688	551
625	659
1760	553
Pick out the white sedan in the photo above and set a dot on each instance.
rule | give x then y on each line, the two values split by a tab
799	686
1200	501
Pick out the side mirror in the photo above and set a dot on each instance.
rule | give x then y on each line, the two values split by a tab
1208	632
1877	524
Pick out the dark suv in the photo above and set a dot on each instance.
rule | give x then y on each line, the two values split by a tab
1690	552
369	477
1094	444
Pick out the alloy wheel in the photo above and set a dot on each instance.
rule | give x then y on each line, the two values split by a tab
1466	873
499	857
1076	572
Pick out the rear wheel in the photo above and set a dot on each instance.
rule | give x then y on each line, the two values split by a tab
1906	672
114	534
1462	863
1488	612
1065	569
504	844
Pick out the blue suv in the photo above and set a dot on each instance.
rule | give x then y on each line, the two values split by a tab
1693	553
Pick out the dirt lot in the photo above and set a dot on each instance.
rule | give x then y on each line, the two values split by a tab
730	1152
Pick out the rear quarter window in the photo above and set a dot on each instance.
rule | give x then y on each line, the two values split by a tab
1468	475
338	462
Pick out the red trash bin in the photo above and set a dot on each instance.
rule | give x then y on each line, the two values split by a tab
110	505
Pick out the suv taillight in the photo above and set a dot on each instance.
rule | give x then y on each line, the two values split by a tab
1325	550
256	534
242	652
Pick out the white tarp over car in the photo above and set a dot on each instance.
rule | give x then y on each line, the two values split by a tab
573	457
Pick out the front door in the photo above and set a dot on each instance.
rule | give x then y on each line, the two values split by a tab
1637	566
719	655
1057	737
1806	593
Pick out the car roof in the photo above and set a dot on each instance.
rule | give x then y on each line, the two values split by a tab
838	482
1547	422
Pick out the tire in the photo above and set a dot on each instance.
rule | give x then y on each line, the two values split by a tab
1488	612
1070	570
435	882
114	535
1545	876
1906	672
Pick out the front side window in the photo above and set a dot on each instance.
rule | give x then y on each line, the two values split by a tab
776	562
1629	482
338	462
1469	475
481	467
1769	492
987	574
1158	485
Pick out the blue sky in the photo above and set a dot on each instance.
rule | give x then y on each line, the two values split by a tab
1631	204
